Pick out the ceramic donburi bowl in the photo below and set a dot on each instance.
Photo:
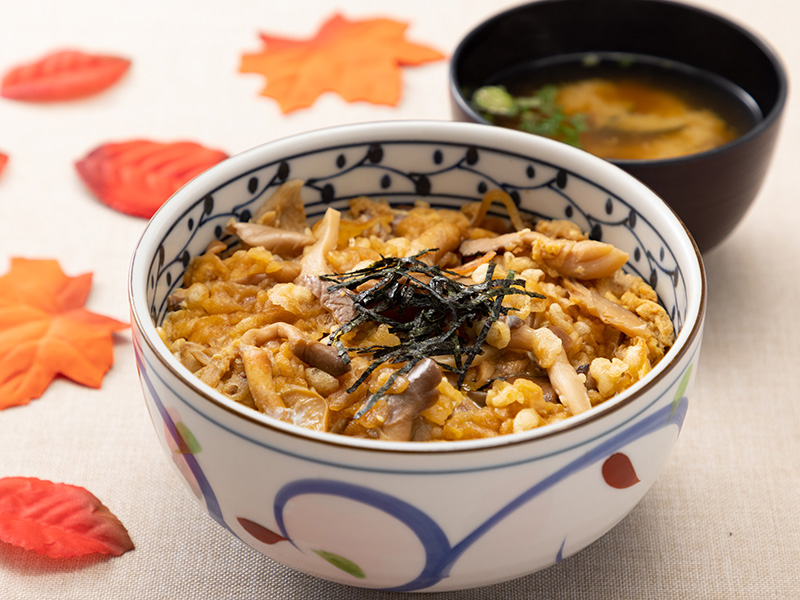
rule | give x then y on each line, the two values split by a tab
419	516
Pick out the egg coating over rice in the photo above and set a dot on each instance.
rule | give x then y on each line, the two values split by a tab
414	323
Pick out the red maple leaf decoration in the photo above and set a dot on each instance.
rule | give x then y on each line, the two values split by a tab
45	332
360	60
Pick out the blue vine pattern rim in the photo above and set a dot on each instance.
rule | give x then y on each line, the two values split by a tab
206	217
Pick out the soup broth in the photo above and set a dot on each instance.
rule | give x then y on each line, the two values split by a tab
628	107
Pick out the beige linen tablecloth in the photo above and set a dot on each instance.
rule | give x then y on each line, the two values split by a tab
723	520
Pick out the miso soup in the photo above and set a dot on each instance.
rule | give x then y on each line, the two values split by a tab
620	106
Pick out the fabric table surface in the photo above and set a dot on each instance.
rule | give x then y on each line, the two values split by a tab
723	519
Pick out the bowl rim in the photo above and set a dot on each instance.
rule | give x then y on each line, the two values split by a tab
765	123
369	132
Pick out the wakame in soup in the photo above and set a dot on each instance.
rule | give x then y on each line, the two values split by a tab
619	106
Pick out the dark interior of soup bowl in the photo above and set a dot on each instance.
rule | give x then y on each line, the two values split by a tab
710	191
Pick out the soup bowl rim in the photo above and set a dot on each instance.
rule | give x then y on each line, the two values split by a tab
765	122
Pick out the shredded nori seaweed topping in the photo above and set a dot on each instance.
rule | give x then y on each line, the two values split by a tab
427	308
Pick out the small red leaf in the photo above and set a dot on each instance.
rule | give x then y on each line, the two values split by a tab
63	75
58	520
619	472
137	177
261	533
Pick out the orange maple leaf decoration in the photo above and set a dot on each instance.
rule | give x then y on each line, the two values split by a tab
45	331
360	60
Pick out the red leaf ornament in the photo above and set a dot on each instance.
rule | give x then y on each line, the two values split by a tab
138	176
63	75
58	520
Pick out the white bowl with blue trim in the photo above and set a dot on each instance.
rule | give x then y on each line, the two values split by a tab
408	516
